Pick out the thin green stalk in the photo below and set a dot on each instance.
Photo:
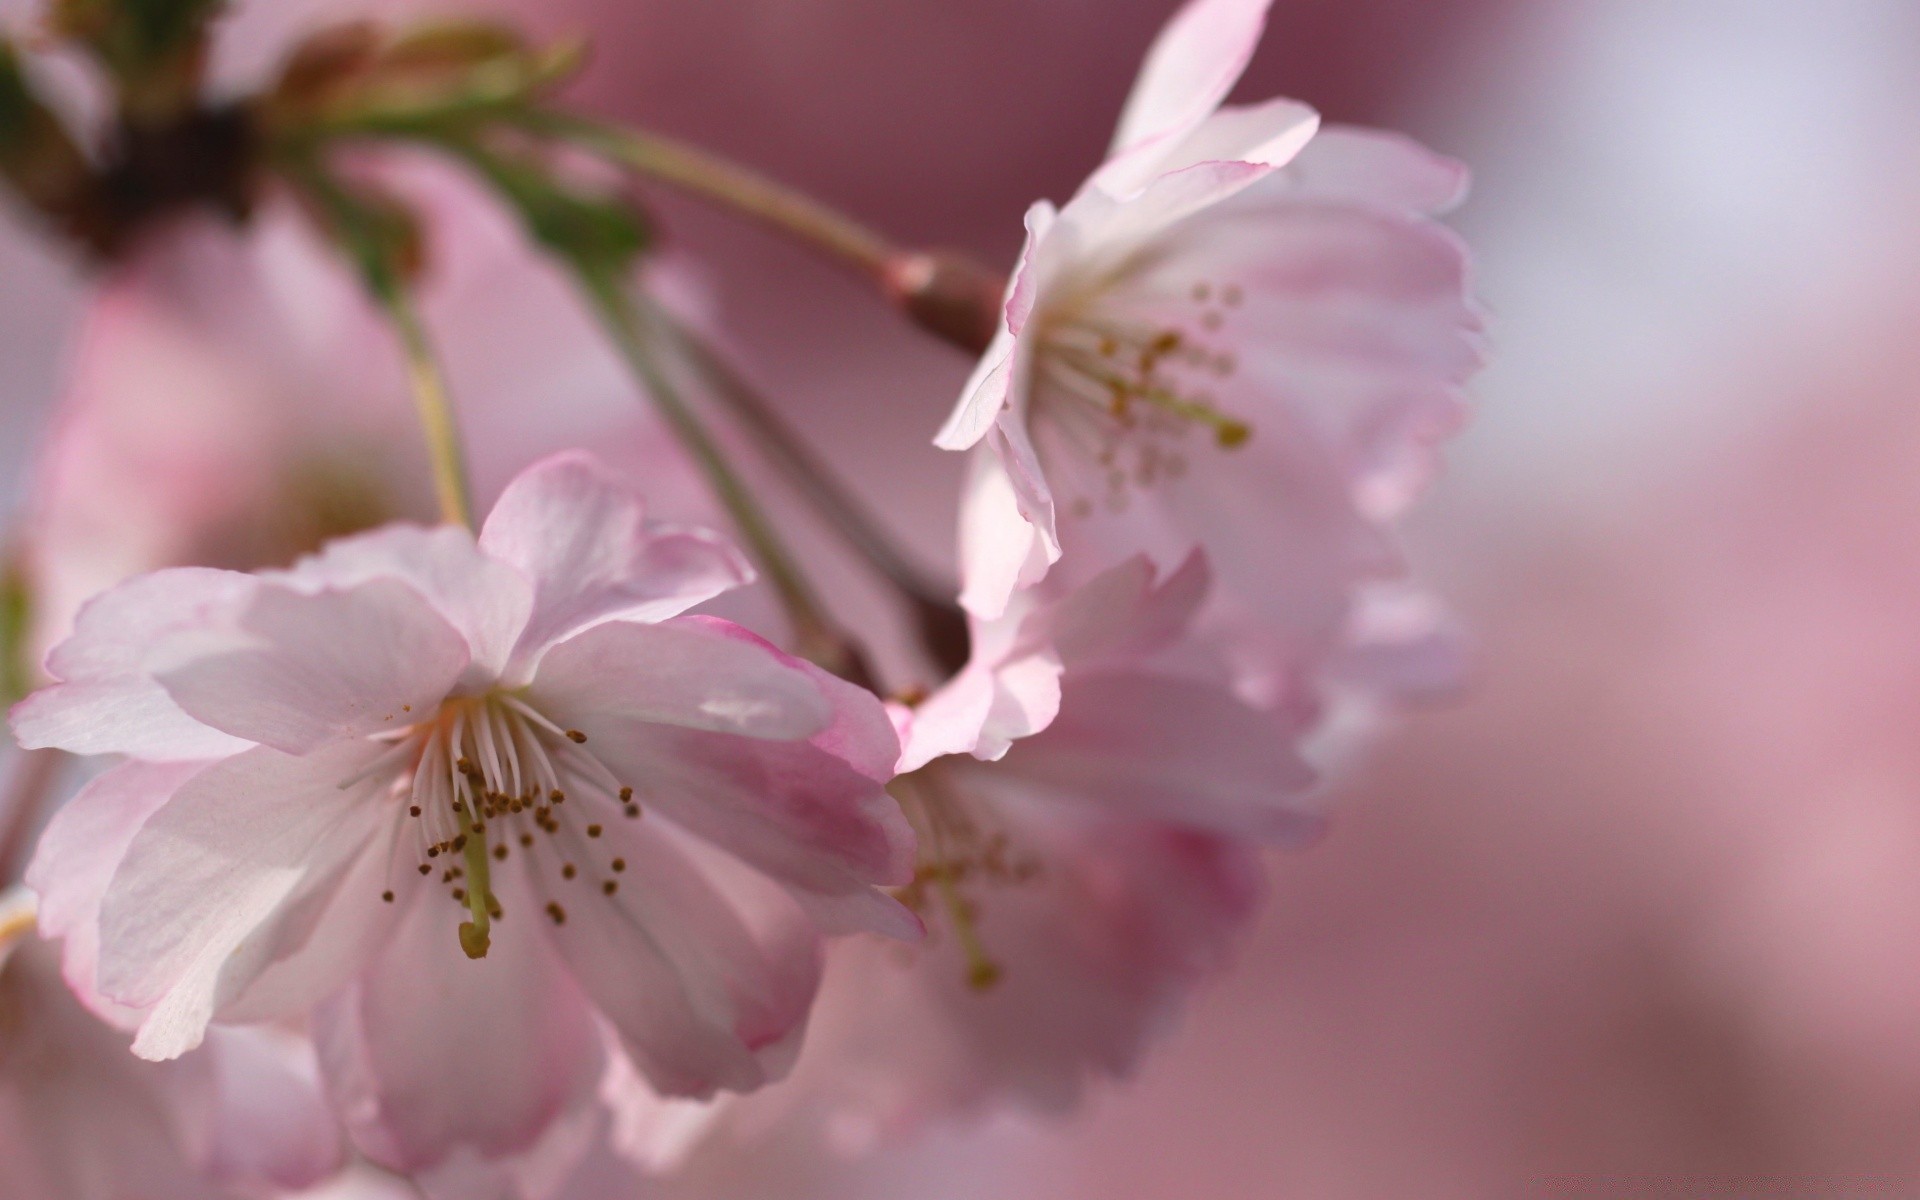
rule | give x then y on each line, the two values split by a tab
435	407
943	627
817	638
745	191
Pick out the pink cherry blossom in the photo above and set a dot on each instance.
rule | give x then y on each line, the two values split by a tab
1091	798
494	805
81	1119
1244	333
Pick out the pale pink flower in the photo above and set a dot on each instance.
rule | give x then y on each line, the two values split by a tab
323	756
1242	333
81	1119
1090	799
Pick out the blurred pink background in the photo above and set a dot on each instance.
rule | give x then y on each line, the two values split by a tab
1639	914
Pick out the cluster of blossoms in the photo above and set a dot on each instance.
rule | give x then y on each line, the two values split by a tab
486	852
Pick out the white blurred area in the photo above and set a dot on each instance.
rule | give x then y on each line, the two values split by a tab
1641	913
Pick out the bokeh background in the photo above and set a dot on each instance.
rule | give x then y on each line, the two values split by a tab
1639	914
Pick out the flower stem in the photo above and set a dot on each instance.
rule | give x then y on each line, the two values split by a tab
435	407
817	638
943	627
711	177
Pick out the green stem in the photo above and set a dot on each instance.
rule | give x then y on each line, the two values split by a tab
817	638
745	191
435	406
943	627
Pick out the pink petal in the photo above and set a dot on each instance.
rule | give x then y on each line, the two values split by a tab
694	672
105	701
271	1125
991	390
699	1000
583	539
1124	613
1377	167
433	1055
302	671
1174	750
486	600
811	813
1192	66
1269	134
81	848
1001	550
213	866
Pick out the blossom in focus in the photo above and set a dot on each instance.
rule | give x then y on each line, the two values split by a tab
81	1119
481	801
1244	333
1091	796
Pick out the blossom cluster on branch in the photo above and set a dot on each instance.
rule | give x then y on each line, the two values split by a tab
537	849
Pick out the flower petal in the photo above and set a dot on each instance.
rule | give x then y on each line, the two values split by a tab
432	1055
1175	750
992	388
1271	134
1002	548
105	701
214	864
486	600
1194	63
694	672
699	1000
271	1124
813	814
583	539
79	851
305	670
1346	162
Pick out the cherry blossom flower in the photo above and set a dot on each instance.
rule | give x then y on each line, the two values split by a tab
495	805
1091	799
81	1119
1243	332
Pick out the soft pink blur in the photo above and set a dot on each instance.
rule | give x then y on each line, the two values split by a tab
1639	913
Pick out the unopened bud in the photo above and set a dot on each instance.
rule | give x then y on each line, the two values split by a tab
948	295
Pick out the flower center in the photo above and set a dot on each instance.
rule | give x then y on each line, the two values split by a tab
1127	393
487	774
958	853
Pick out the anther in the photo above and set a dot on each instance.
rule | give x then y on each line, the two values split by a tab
619	865
526	840
609	887
425	869
633	810
500	852
574	735
413	810
626	795
567	871
558	914
593	831
387	896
